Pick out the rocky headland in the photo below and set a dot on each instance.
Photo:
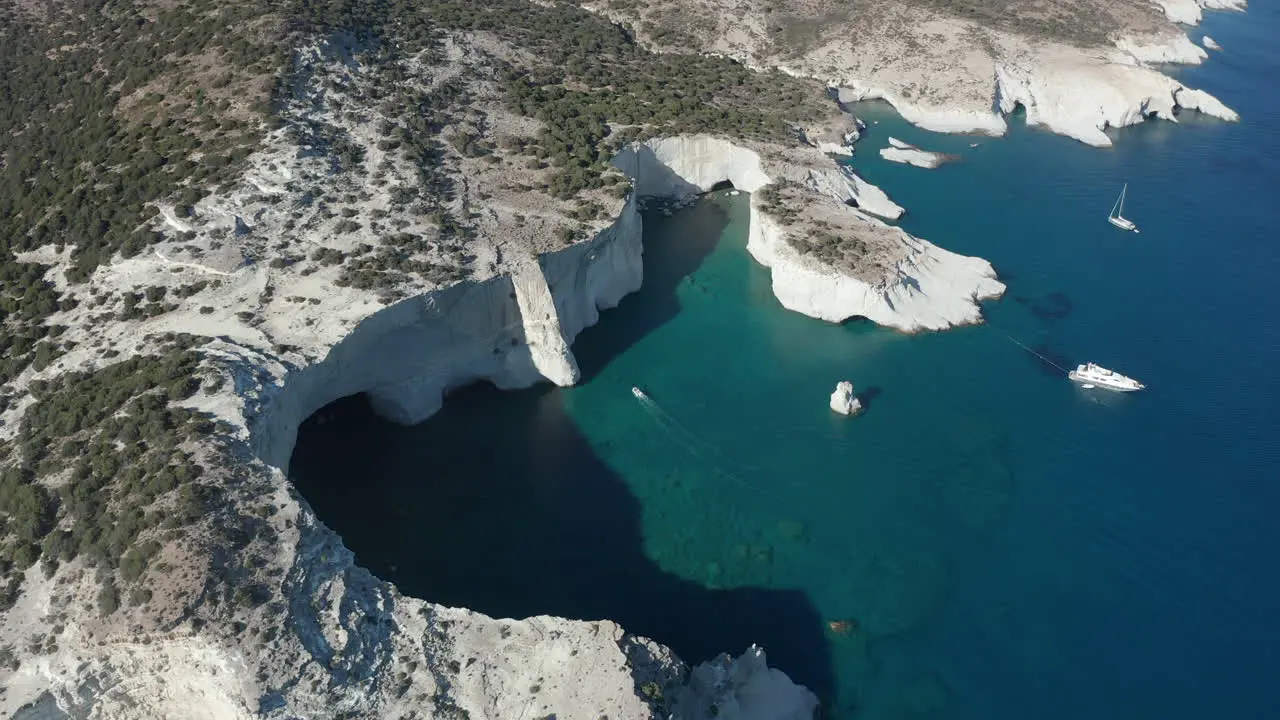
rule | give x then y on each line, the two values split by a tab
1077	69
393	200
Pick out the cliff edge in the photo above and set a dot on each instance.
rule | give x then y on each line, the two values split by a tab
1078	69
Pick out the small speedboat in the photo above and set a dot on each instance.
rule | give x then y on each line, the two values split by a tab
638	392
1090	375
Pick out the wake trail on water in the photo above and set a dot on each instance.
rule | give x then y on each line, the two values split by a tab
1033	352
834	542
700	448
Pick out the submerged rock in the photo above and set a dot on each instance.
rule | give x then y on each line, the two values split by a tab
843	401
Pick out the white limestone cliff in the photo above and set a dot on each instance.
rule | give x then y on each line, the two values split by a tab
930	288
923	287
1189	12
947	74
745	688
1174	49
836	138
264	274
287	340
1083	101
1210	44
512	330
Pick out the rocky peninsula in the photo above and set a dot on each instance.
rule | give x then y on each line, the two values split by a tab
395	201
1076	69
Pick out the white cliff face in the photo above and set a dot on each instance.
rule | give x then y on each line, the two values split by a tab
1188	12
341	639
929	117
926	288
1210	44
685	165
849	187
947	74
901	152
1176	49
512	330
1082	101
1071	93
930	289
745	688
843	400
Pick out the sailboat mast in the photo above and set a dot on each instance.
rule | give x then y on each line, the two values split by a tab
1120	207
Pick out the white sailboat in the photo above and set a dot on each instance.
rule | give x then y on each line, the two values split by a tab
1117	217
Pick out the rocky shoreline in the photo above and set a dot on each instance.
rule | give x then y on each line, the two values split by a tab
513	329
958	76
278	285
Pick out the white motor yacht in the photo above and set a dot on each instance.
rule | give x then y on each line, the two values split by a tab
1091	375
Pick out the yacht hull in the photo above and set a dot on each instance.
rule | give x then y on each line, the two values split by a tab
1095	382
1123	223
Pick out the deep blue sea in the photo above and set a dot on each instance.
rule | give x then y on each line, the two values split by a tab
1005	544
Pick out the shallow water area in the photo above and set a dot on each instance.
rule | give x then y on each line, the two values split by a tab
1003	543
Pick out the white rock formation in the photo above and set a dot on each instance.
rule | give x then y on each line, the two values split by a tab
1082	101
921	286
743	689
838	138
290	333
1073	96
901	152
843	400
308	342
1173	49
945	74
1188	12
1210	44
931	289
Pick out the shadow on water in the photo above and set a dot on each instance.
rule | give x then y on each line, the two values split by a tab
499	503
1054	306
666	266
1052	361
868	397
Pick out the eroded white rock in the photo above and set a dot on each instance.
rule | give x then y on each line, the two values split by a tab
922	288
743	688
907	154
843	400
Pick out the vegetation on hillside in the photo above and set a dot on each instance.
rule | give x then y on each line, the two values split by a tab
115	442
109	108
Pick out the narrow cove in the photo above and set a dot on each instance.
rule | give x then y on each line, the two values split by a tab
1005	545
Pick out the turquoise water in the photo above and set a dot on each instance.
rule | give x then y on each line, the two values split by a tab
1007	544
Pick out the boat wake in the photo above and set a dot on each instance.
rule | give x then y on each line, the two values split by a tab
718	460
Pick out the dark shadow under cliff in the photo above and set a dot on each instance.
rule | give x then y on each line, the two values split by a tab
666	264
518	517
500	504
